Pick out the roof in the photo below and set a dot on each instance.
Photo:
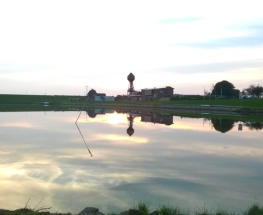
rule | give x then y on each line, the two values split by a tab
158	88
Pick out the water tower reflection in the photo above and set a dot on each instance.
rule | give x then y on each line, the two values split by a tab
152	117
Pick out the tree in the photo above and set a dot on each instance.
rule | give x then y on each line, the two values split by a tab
92	93
206	93
254	90
225	89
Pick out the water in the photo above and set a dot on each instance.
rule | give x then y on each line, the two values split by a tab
48	160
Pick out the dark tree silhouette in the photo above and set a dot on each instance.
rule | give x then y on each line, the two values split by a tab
225	89
92	93
223	125
254	125
254	90
91	113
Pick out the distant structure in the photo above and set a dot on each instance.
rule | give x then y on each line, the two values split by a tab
130	130
130	78
146	94
148	117
92	113
157	93
93	95
157	118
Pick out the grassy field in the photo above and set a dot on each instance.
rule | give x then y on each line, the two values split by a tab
6	99
245	103
38	99
142	209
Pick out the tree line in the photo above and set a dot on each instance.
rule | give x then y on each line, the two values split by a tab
225	89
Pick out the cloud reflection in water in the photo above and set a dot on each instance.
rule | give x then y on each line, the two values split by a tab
185	164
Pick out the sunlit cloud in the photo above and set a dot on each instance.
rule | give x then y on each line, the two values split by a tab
188	126
116	118
10	171
21	124
113	119
178	20
121	139
223	150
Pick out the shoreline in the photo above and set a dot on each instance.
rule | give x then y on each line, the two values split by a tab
227	106
197	108
175	108
141	209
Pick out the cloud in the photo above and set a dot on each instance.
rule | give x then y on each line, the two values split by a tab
179	20
215	67
250	35
230	42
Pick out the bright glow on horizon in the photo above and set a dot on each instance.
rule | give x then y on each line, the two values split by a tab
116	118
62	46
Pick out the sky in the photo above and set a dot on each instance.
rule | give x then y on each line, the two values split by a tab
69	47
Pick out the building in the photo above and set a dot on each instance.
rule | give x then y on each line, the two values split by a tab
93	95
147	94
103	98
157	93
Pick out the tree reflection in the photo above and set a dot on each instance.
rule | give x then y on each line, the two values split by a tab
223	125
254	125
219	124
92	113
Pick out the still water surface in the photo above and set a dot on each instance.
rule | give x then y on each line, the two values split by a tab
127	158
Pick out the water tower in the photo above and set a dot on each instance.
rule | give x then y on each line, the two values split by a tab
131	78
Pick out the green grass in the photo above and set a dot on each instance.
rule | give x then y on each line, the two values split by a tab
245	103
38	99
26	211
58	100
142	209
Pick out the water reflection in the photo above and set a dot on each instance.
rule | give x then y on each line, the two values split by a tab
130	130
148	117
222	125
82	136
254	125
174	160
152	117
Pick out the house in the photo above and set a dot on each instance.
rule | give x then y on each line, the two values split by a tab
103	98
157	93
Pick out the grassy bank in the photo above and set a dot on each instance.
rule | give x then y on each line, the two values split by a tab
58	99
36	101
9	99
245	103
141	209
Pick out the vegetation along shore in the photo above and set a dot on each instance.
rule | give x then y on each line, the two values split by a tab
9	101
141	209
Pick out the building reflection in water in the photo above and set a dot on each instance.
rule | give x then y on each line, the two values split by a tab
130	130
92	113
149	117
166	119
219	124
